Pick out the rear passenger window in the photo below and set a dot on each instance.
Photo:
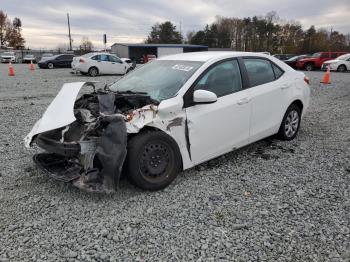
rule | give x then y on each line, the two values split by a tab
96	57
222	79
259	71
325	55
334	55
278	71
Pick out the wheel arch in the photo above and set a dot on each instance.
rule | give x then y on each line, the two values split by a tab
155	129
94	66
299	104
346	68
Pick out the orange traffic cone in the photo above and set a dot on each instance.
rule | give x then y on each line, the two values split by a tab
11	70
327	76
31	66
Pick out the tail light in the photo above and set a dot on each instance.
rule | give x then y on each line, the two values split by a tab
307	80
81	60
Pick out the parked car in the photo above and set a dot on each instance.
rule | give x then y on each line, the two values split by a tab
29	59
292	62
316	60
284	57
95	64
341	64
7	57
64	60
46	56
168	115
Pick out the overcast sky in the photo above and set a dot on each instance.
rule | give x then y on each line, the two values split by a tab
45	22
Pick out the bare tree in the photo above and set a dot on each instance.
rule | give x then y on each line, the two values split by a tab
86	44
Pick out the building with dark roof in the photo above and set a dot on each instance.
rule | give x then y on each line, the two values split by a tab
137	51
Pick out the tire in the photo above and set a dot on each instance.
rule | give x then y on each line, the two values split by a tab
309	67
290	124
50	65
341	68
93	71
153	160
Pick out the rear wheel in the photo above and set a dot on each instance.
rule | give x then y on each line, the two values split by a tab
290	124
341	68
153	160
50	65
309	67
93	71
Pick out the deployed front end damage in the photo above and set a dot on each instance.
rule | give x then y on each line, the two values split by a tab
86	139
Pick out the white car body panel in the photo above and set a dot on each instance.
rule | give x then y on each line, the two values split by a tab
209	123
202	131
59	113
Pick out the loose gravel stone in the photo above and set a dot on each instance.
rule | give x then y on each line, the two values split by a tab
269	201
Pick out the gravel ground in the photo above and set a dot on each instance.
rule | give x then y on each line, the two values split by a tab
270	201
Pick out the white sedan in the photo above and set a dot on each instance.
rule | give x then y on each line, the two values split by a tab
166	116
340	64
94	64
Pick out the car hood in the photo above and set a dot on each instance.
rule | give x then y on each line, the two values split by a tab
56	115
332	61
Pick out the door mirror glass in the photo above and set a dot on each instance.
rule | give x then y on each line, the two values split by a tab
204	97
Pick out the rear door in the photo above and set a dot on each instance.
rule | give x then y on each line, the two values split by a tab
104	65
270	92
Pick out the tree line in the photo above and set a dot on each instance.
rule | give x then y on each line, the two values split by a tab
258	33
10	32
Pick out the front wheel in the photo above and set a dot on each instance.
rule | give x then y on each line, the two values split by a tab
290	124
341	68
153	160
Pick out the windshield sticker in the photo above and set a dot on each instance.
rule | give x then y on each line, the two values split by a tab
182	68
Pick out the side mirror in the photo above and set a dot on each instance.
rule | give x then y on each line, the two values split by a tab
204	97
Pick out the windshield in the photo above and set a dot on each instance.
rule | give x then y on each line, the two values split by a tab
29	56
8	53
343	57
316	55
160	79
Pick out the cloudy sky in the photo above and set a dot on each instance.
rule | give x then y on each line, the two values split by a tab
45	22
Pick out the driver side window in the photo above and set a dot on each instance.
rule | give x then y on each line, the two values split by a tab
222	79
114	59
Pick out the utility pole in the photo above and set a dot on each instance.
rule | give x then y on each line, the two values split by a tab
70	37
181	30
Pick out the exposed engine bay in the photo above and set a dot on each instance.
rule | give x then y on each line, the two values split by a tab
90	151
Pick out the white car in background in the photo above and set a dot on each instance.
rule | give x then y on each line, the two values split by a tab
340	64
7	57
169	115
94	64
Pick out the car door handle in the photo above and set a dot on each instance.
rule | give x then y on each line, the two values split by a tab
244	100
285	86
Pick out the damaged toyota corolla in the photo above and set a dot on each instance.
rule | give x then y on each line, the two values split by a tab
169	115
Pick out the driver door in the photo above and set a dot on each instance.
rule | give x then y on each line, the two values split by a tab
117	65
219	127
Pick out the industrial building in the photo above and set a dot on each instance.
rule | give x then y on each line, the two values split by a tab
137	51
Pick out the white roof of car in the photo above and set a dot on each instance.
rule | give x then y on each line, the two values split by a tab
209	55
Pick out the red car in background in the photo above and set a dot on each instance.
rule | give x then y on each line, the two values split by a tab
316	60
